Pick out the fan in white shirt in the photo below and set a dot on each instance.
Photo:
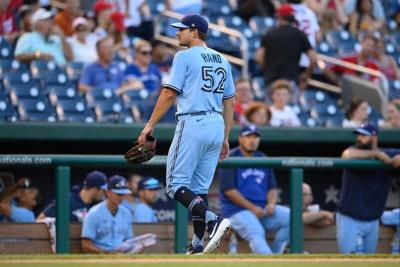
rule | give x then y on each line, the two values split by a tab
282	114
83	49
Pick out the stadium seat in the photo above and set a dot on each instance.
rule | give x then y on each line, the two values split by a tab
215	8
100	94
59	92
26	91
39	68
233	22
156	7
17	78
74	70
53	78
7	111
261	25
324	48
74	111
5	48
394	89
135	95
35	110
342	41
223	43
112	111
9	65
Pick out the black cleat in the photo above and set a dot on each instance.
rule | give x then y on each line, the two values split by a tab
194	250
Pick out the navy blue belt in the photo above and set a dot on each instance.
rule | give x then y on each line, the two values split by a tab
197	113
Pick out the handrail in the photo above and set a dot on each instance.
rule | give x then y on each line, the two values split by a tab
243	62
349	65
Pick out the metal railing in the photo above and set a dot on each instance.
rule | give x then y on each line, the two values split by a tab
242	62
295	165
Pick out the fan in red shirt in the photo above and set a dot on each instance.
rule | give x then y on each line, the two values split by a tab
364	58
8	9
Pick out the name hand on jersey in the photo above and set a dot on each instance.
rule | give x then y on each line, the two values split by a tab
215	58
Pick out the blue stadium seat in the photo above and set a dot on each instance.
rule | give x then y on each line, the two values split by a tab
26	91
7	111
394	89
390	7
9	65
74	111
100	94
17	78
60	92
261	25
324	48
233	22
215	8
74	70
135	95
111	111
156	6
54	78
374	116
42	67
342	41
5	48
35	110
223	43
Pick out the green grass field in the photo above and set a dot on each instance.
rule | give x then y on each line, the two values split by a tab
199	261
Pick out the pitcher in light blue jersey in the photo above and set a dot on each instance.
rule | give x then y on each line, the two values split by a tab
201	83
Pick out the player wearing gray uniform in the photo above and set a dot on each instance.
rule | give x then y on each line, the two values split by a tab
201	83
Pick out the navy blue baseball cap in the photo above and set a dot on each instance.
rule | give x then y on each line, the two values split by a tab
118	185
96	179
367	129
250	129
149	183
192	21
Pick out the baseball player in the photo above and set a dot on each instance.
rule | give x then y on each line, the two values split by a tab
249	196
108	224
148	188
363	194
201	82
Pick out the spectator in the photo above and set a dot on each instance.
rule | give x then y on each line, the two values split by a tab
65	18
244	97
392	115
163	55
356	113
143	72
43	43
329	22
365	58
377	8
282	114
249	8
258	113
8	21
116	30
248	198
363	19
83	49
148	188
312	215
108	224
25	15
102	10
387	64
281	49
18	201
357	219
103	73
79	202
332	6
307	22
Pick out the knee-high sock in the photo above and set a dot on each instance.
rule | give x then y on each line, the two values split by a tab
199	226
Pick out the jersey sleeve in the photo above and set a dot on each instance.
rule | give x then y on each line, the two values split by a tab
89	226
21	215
23	45
226	179
229	90
177	73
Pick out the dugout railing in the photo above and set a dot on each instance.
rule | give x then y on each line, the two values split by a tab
295	165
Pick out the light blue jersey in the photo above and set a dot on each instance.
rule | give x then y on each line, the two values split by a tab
107	231
19	214
202	77
144	214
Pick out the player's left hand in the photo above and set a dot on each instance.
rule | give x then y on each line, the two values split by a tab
396	161
147	130
224	150
270	209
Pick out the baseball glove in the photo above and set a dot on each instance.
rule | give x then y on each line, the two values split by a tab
141	153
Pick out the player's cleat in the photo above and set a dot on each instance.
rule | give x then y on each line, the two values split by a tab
216	230
194	250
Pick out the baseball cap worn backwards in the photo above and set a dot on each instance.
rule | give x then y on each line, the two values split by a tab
367	129
149	183
249	130
40	14
192	21
96	179
118	185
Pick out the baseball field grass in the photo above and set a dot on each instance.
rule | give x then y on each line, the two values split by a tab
158	260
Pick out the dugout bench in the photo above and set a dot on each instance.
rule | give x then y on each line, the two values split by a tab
34	238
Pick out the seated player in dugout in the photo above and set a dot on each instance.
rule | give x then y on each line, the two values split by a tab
18	201
148	189
312	214
81	201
